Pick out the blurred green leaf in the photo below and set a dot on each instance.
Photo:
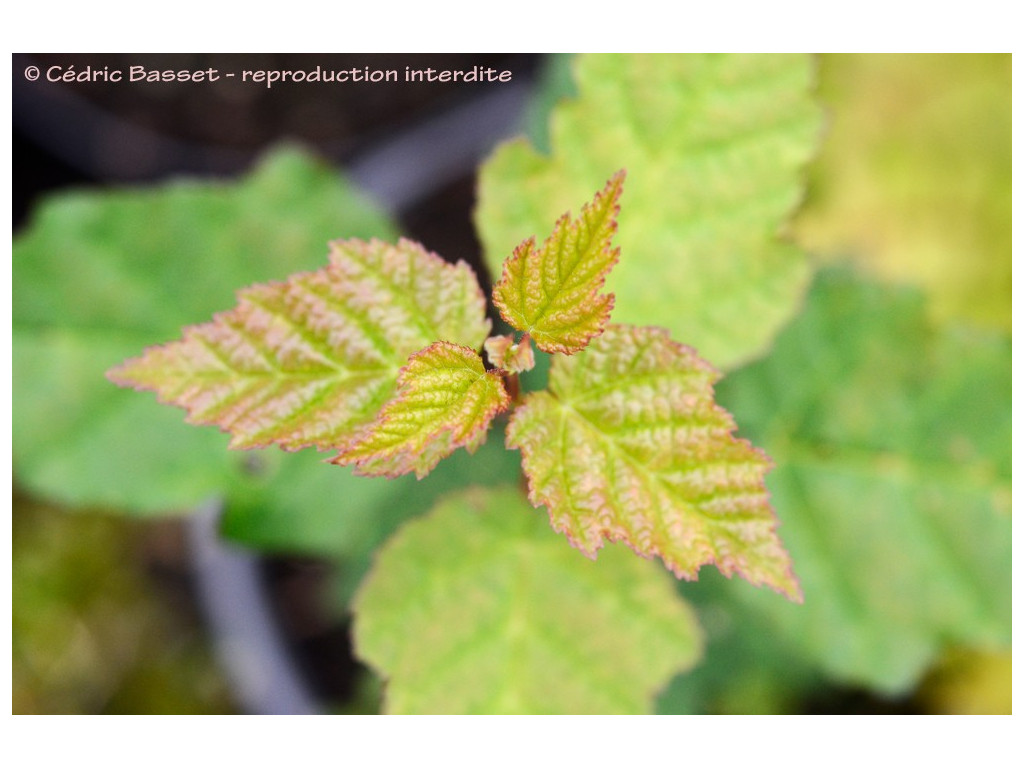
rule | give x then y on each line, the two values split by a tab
747	669
297	503
713	146
893	481
79	440
914	179
99	276
479	607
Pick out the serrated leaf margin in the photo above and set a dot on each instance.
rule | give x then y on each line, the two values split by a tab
421	452
602	527
360	341
530	265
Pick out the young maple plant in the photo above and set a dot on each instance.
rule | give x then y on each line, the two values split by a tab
376	356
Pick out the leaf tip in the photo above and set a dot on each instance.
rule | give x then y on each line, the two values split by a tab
553	291
142	373
787	585
120	374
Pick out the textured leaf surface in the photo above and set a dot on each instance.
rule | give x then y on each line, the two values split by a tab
445	400
310	362
714	145
893	481
101	275
629	446
480	608
551	292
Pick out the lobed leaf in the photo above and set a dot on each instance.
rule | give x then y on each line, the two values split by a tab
445	400
715	145
894	479
629	446
310	362
551	292
479	608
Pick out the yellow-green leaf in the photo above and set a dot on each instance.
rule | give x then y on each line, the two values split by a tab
310	362
630	446
551	292
479	608
715	146
445	400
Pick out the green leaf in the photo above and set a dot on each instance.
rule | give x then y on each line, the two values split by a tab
714	145
310	362
747	668
296	503
79	441
551	292
893	480
445	400
629	446
100	275
479	608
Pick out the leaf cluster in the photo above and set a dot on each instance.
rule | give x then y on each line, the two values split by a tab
888	436
375	356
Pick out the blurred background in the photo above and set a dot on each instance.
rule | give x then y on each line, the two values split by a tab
110	616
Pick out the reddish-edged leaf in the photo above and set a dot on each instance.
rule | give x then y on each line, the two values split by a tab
445	400
551	292
310	362
714	144
630	446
